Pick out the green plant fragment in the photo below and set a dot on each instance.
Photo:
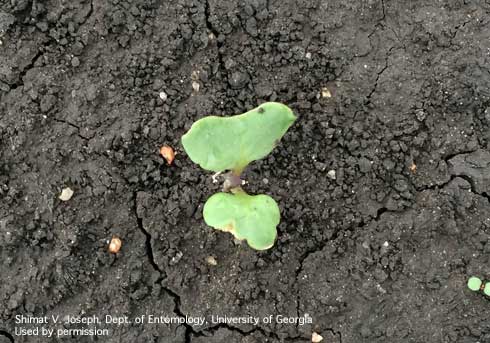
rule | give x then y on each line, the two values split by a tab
231	143
248	217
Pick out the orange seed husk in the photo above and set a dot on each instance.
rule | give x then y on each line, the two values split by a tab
413	167
115	245
167	153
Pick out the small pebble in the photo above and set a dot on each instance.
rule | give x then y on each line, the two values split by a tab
195	86
66	194
308	55
326	93
420	114
176	258
331	174
238	80
316	338
211	261
75	61
163	96
265	181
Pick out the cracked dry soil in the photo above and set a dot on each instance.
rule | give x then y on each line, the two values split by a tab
381	253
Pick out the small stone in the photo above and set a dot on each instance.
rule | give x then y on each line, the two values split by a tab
308	55
4	87
238	80
332	174
211	261
163	96
326	93
75	61
365	332
320	166
420	114
47	103
195	86
176	258
365	165
316	338
66	194
401	185
265	180
6	20
487	114
91	92
388	164
251	26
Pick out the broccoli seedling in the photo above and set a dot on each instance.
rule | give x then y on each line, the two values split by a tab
477	285
486	289
474	283
231	143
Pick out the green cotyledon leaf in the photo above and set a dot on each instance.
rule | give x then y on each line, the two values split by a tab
231	143
250	217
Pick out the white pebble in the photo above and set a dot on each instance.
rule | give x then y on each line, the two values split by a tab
195	86
211	260
163	96
331	174
66	194
316	338
326	93
308	55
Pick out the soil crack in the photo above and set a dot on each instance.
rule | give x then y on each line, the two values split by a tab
149	252
467	178
450	156
244	333
373	90
74	126
462	25
189	330
90	11
335	236
473	186
149	249
383	9
20	81
455	176
209	26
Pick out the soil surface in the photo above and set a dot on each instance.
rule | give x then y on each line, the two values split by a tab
383	181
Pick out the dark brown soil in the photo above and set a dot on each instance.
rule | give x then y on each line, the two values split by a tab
381	253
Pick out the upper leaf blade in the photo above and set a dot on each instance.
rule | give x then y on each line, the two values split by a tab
231	143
